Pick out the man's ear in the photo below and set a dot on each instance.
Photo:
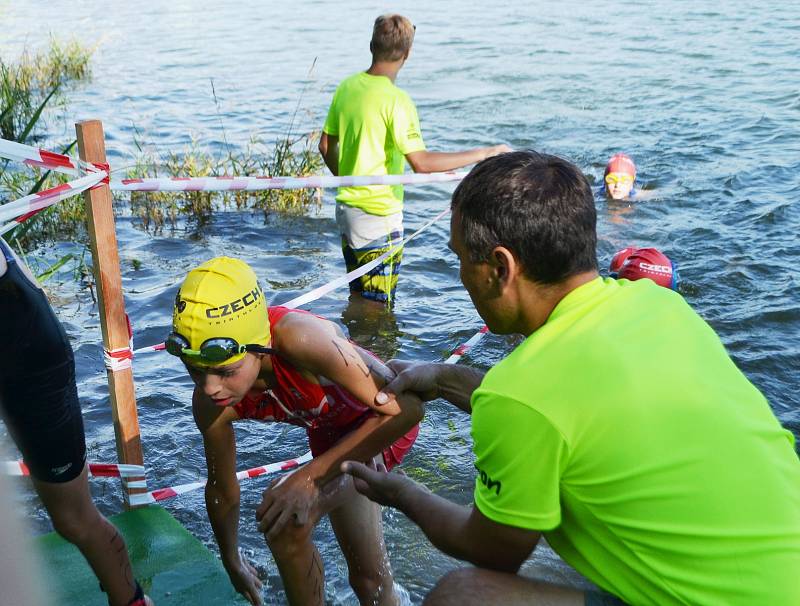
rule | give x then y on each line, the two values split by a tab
504	264
370	47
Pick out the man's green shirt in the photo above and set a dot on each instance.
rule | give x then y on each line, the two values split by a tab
623	430
377	125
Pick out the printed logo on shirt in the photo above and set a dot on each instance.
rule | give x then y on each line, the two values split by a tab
490	484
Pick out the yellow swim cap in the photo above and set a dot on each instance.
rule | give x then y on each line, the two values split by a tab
221	298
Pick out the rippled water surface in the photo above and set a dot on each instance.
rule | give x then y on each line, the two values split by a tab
703	95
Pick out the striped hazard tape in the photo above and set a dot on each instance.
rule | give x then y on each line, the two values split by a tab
262	183
162	494
97	470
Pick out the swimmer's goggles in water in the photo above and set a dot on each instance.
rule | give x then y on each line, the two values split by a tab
214	351
612	178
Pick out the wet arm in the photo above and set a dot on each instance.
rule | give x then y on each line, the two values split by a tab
222	488
327	354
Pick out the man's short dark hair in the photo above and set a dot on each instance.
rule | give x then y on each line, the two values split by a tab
538	206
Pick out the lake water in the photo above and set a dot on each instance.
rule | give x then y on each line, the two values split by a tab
704	96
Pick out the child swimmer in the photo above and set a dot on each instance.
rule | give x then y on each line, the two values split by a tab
250	361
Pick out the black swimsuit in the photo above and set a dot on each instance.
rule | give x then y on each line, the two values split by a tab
38	395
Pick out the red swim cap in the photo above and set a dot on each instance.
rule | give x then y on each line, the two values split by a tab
621	163
620	258
645	263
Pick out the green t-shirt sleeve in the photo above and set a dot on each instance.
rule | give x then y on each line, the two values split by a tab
332	121
520	457
405	126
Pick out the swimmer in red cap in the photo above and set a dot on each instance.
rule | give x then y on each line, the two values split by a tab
635	263
619	177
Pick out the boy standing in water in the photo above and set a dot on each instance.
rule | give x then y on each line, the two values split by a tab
372	128
39	404
249	361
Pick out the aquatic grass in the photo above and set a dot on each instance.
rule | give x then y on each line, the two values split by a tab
293	155
36	82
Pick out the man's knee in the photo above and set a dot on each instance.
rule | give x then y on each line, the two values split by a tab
451	588
290	541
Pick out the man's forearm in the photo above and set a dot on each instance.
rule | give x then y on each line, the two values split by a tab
456	384
444	523
433	162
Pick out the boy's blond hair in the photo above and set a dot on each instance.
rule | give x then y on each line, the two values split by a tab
392	36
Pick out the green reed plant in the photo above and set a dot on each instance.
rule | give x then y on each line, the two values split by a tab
294	155
35	82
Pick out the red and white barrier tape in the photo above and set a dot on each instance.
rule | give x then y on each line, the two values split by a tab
19	210
163	494
98	470
32	156
262	183
120	358
149	349
460	351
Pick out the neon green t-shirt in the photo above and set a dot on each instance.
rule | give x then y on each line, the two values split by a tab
624	432
377	125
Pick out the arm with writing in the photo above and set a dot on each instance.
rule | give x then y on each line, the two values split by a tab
315	346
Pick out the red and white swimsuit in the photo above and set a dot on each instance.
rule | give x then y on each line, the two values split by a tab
326	411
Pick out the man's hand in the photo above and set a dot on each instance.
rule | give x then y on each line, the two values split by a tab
421	379
244	579
496	150
374	482
290	499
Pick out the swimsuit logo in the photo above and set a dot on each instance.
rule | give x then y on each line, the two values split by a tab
490	484
234	306
59	470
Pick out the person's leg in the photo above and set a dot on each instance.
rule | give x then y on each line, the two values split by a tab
359	531
76	518
39	403
366	237
478	586
299	564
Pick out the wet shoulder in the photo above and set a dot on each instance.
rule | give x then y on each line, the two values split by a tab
297	333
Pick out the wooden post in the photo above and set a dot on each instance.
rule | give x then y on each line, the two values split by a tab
113	322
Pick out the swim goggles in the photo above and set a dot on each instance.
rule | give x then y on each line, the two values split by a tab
214	351
612	178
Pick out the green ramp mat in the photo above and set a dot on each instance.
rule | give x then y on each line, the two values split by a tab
172	566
